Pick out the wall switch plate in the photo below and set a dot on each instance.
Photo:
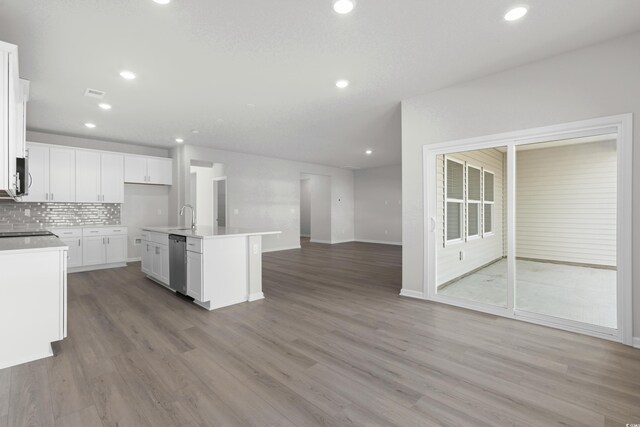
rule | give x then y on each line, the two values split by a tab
159	212
138	241
386	231
236	211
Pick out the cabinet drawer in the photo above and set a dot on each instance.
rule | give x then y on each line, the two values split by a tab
194	245
65	233
160	238
146	236
116	231
93	231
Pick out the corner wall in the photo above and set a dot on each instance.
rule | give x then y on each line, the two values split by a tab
596	81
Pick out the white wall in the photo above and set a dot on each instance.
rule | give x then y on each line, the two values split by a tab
597	81
477	251
144	205
378	204
305	208
566	203
265	192
204	195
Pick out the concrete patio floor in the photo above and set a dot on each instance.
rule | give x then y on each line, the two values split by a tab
583	294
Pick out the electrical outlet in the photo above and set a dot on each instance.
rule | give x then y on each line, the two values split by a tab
27	212
138	241
236	211
386	231
386	203
159	212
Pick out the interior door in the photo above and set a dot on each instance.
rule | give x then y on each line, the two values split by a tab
87	177
38	174
112	178
62	174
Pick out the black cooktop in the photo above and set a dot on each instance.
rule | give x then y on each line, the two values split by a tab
25	233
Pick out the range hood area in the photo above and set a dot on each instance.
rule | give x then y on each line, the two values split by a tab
14	94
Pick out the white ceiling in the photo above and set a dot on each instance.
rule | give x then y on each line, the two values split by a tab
201	62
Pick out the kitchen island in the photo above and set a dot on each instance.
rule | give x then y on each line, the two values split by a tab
33	297
222	265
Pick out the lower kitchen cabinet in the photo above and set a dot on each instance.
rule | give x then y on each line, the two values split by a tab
195	283
74	255
155	257
93	248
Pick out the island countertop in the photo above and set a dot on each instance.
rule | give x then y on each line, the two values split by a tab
31	244
208	232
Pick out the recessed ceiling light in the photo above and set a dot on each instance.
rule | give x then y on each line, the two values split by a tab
342	83
343	6
104	106
368	152
195	131
127	75
515	13
90	125
251	105
162	1
179	140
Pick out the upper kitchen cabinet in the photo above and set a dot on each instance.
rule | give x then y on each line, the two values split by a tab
99	177
52	174
148	170
12	115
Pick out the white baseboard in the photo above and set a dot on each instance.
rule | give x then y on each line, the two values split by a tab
137	259
636	342
411	294
264	251
305	235
256	296
380	242
96	267
324	242
335	242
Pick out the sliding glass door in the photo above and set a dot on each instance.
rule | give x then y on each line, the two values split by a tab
529	226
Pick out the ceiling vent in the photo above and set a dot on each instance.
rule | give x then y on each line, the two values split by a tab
94	93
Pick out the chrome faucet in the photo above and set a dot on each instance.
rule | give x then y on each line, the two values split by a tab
193	215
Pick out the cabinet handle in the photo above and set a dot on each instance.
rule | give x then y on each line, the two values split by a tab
78	242
108	241
103	240
52	197
46	196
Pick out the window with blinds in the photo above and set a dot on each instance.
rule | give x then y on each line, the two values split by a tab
488	203
474	199
454	207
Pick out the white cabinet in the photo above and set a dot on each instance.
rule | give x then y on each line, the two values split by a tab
103	246
74	255
195	283
148	250
148	170
88	177
155	256
94	250
10	95
161	263
99	177
62	175
112	178
52	174
116	249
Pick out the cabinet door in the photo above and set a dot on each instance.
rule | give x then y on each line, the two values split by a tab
87	177
164	262
116	249
62	174
195	284
39	174
94	250
74	255
156	268
112	178
147	257
135	169
160	171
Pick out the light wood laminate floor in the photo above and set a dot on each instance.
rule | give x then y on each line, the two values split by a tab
332	344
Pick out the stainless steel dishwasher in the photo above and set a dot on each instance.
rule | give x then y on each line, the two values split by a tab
178	263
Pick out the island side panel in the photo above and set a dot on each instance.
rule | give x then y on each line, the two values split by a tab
225	271
255	268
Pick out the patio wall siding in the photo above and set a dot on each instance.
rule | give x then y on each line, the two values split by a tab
566	203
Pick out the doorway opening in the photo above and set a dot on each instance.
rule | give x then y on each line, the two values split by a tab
208	193
315	208
530	225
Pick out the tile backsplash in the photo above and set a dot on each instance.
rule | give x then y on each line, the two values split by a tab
20	216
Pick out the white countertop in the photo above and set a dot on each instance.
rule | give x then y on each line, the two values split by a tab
31	244
207	232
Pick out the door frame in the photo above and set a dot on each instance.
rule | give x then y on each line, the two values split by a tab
622	125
